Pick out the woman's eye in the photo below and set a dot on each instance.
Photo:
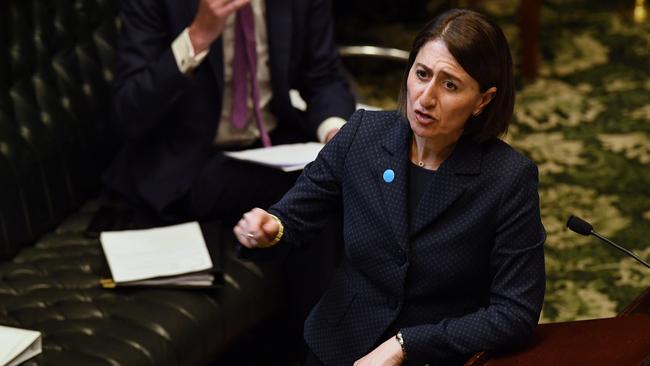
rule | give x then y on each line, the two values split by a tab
421	74
449	85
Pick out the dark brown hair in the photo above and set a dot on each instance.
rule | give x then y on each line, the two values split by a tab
481	49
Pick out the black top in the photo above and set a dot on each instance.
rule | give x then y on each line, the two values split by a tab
419	180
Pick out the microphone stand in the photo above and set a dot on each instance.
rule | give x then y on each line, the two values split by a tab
628	252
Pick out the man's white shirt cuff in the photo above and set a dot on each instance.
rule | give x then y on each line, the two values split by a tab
184	54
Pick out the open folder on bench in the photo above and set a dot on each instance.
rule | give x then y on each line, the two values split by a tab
170	256
289	157
17	345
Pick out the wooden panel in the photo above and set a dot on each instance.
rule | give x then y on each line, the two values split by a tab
621	341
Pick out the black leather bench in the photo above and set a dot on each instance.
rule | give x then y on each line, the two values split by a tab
55	71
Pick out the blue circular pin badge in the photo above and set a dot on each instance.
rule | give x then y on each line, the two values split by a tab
389	175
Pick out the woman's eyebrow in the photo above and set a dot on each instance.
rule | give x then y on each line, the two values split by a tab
443	73
425	67
449	75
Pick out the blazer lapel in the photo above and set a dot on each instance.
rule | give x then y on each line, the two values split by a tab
278	30
451	180
215	57
395	157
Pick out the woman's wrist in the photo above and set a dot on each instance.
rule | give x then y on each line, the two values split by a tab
280	232
400	340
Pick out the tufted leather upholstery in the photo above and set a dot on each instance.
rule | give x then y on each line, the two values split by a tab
52	287
55	69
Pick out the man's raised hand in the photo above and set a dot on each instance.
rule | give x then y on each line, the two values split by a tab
210	20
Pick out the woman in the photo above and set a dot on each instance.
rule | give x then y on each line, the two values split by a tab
443	236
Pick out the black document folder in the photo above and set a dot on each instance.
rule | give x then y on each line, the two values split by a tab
212	277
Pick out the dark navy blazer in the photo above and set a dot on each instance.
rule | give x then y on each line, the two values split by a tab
170	120
465	274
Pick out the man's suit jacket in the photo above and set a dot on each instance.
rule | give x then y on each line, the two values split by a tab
465	274
170	120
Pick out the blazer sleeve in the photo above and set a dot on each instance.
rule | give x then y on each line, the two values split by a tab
147	78
322	85
517	290
305	208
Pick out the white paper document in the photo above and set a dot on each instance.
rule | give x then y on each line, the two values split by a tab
18	345
134	255
287	157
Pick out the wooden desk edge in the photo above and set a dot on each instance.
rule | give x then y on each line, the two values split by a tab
639	305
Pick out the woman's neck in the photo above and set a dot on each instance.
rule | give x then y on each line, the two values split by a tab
431	153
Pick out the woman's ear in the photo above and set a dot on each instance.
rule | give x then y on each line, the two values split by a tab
486	97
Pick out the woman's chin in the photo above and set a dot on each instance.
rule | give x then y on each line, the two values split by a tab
424	131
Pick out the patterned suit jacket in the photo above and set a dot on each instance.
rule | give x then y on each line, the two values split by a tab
466	274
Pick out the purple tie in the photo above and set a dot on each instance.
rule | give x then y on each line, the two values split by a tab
244	64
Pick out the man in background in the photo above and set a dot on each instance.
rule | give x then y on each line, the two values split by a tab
180	99
195	78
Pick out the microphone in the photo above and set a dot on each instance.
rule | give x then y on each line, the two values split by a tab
582	227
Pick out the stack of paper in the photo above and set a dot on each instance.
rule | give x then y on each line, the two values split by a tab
288	157
172	256
18	345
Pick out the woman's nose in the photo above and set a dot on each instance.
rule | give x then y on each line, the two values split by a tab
428	98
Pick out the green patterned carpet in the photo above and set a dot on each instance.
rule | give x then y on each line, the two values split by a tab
585	121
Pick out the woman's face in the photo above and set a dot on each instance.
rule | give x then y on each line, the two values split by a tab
441	95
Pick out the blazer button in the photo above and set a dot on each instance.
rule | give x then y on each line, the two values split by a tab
393	303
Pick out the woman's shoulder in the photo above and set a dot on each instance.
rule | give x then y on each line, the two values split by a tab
369	116
377	122
368	127
499	156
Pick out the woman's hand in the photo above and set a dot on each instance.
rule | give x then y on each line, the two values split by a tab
388	353
257	229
